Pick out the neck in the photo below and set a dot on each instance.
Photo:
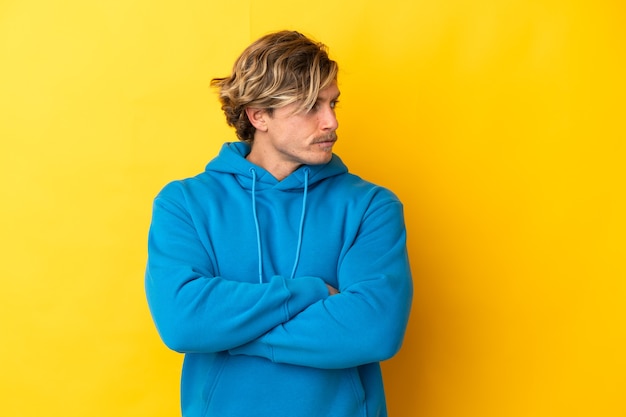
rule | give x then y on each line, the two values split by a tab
279	169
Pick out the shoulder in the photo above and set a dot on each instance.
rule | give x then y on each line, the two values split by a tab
181	188
355	186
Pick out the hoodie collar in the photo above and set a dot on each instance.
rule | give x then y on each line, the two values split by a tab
232	160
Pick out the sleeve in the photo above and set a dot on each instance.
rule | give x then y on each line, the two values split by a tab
196	311
366	321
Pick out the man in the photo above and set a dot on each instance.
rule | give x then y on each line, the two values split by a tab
283	278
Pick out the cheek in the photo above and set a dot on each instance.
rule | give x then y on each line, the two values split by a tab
297	131
309	129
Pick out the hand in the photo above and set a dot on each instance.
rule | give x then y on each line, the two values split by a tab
332	290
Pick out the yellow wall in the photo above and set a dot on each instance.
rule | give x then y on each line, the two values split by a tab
500	123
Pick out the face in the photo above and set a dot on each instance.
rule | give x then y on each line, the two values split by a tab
284	140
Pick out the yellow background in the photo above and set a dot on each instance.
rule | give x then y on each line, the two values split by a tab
499	123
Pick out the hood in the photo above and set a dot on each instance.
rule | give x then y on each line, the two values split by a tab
232	160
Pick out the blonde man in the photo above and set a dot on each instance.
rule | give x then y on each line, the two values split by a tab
282	277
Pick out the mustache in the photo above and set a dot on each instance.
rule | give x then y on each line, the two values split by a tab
330	137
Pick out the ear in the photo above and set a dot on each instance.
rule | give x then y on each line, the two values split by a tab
257	118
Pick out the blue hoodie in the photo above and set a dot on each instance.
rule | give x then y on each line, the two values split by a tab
236	280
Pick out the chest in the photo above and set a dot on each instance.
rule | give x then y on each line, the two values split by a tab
279	228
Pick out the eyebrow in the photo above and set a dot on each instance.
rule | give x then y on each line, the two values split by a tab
333	98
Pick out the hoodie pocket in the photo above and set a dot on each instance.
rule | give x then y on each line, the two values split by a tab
213	378
357	385
243	386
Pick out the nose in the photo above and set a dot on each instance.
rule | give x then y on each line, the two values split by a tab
328	119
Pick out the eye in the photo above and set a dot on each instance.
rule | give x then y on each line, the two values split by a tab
318	105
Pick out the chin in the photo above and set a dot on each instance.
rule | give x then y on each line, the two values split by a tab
322	159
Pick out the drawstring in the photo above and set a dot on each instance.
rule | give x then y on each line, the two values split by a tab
299	246
256	224
300	229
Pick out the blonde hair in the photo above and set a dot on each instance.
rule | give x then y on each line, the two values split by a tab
276	70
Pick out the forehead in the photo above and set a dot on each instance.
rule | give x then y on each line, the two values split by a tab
330	92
